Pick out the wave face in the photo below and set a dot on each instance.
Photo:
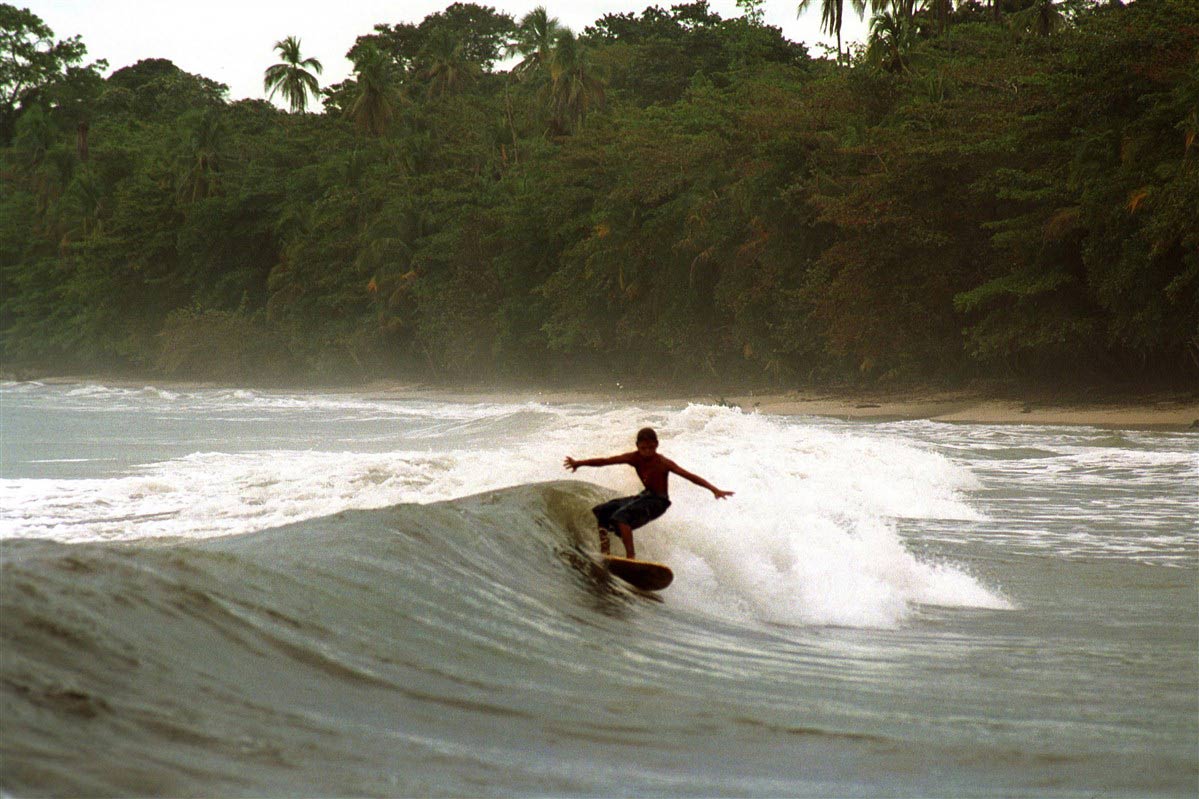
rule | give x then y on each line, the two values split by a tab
460	647
262	660
328	595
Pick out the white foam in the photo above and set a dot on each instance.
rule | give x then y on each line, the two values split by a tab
809	537
96	391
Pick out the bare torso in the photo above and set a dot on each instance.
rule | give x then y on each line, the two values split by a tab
652	469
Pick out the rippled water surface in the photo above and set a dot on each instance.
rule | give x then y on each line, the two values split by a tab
248	593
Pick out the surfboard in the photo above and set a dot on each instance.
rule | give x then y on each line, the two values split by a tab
643	574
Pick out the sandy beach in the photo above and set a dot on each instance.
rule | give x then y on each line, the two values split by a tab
1170	411
1166	411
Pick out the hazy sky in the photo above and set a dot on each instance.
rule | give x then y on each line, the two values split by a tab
232	41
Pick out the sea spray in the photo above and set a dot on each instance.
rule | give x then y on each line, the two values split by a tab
810	536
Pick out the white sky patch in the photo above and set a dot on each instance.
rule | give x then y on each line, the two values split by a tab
232	41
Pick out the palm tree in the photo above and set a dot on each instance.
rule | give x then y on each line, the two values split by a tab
575	89
85	197
51	178
832	14
291	76
446	65
203	136
1043	18
377	95
34	136
535	39
892	34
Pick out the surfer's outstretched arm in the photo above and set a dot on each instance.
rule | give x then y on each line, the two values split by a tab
573	465
699	481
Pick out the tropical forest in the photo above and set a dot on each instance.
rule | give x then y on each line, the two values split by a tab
1004	190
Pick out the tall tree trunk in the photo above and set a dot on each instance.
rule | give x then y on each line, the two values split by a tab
81	141
511	122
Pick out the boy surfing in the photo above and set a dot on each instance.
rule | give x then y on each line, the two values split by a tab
625	514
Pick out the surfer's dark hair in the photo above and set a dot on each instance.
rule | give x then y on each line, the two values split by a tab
647	434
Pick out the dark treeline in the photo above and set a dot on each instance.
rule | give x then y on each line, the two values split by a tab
1008	190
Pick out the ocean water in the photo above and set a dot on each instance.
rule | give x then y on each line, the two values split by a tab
230	592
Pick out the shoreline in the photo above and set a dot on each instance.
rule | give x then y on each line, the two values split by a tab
1176	411
1157	413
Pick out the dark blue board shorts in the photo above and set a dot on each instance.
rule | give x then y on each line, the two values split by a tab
635	511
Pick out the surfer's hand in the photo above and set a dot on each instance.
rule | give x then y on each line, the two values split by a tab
716	492
571	463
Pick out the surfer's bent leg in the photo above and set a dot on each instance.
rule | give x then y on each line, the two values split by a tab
626	538
625	515
603	518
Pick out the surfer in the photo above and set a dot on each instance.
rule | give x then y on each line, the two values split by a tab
625	514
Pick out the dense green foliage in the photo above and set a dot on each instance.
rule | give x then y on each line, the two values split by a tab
1010	189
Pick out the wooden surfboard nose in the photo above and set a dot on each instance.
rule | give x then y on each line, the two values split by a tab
643	574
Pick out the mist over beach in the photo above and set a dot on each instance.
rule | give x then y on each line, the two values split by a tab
668	199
